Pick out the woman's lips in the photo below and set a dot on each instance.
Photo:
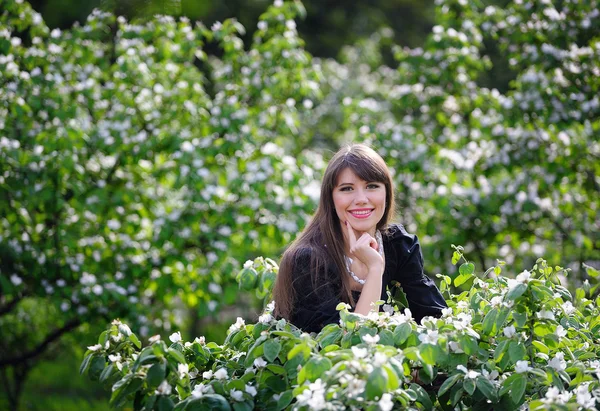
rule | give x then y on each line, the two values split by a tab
361	214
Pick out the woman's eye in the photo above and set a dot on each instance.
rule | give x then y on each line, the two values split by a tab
347	188
373	186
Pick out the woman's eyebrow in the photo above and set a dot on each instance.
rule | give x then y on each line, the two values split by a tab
342	184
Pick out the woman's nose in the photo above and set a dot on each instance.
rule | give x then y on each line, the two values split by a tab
361	197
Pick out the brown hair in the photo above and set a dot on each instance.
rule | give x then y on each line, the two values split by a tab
325	227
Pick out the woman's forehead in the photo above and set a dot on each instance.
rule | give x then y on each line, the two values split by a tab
348	175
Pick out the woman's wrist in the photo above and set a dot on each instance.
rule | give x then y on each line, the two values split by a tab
375	271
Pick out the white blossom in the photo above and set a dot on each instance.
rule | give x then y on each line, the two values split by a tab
568	308
237	395
251	390
386	403
522	366
584	397
239	323
509	331
164	388
207	375
558	362
175	337
431	337
114	357
221	374
265	318
359	352
95	347
198	391
260	363
370	339
545	315
183	370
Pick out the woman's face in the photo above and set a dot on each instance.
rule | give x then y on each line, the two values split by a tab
361	203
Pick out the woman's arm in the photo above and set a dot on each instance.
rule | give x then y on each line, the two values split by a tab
365	249
422	294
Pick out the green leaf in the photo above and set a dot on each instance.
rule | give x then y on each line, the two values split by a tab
156	374
401	333
176	355
489	321
276	369
517	291
315	368
271	349
299	349
518	388
449	383
501	349
133	338
285	399
164	404
97	364
540	346
501	318
428	353
469	385
468	344
386	337
455	257
520	318
591	271
461	279
422	396
516	351
487	389
85	363
376	383
331	334
106	373
243	406
466	269
247	279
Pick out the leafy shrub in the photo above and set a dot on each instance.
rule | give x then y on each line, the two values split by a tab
502	343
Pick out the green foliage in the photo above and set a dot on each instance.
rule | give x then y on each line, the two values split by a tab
492	346
138	171
134	183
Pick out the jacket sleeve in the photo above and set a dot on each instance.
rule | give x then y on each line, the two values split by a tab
314	304
423	296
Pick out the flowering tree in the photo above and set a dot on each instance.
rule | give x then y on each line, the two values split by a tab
513	175
139	171
134	181
504	343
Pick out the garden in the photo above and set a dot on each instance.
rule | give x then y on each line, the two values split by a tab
153	170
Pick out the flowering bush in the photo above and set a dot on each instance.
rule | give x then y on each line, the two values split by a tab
501	344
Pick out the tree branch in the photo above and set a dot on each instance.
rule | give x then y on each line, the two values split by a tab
43	346
6	308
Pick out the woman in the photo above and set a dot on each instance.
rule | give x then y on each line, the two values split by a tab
349	252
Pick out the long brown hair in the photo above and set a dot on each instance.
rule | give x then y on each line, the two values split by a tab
325	227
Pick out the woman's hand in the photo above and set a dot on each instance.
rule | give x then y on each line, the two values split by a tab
365	250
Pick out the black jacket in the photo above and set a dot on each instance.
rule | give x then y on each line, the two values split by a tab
314	306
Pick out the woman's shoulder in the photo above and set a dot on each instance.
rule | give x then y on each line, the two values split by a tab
403	241
397	232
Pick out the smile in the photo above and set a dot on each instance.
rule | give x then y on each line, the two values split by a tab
361	213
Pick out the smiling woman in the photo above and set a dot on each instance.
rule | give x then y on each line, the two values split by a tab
349	252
